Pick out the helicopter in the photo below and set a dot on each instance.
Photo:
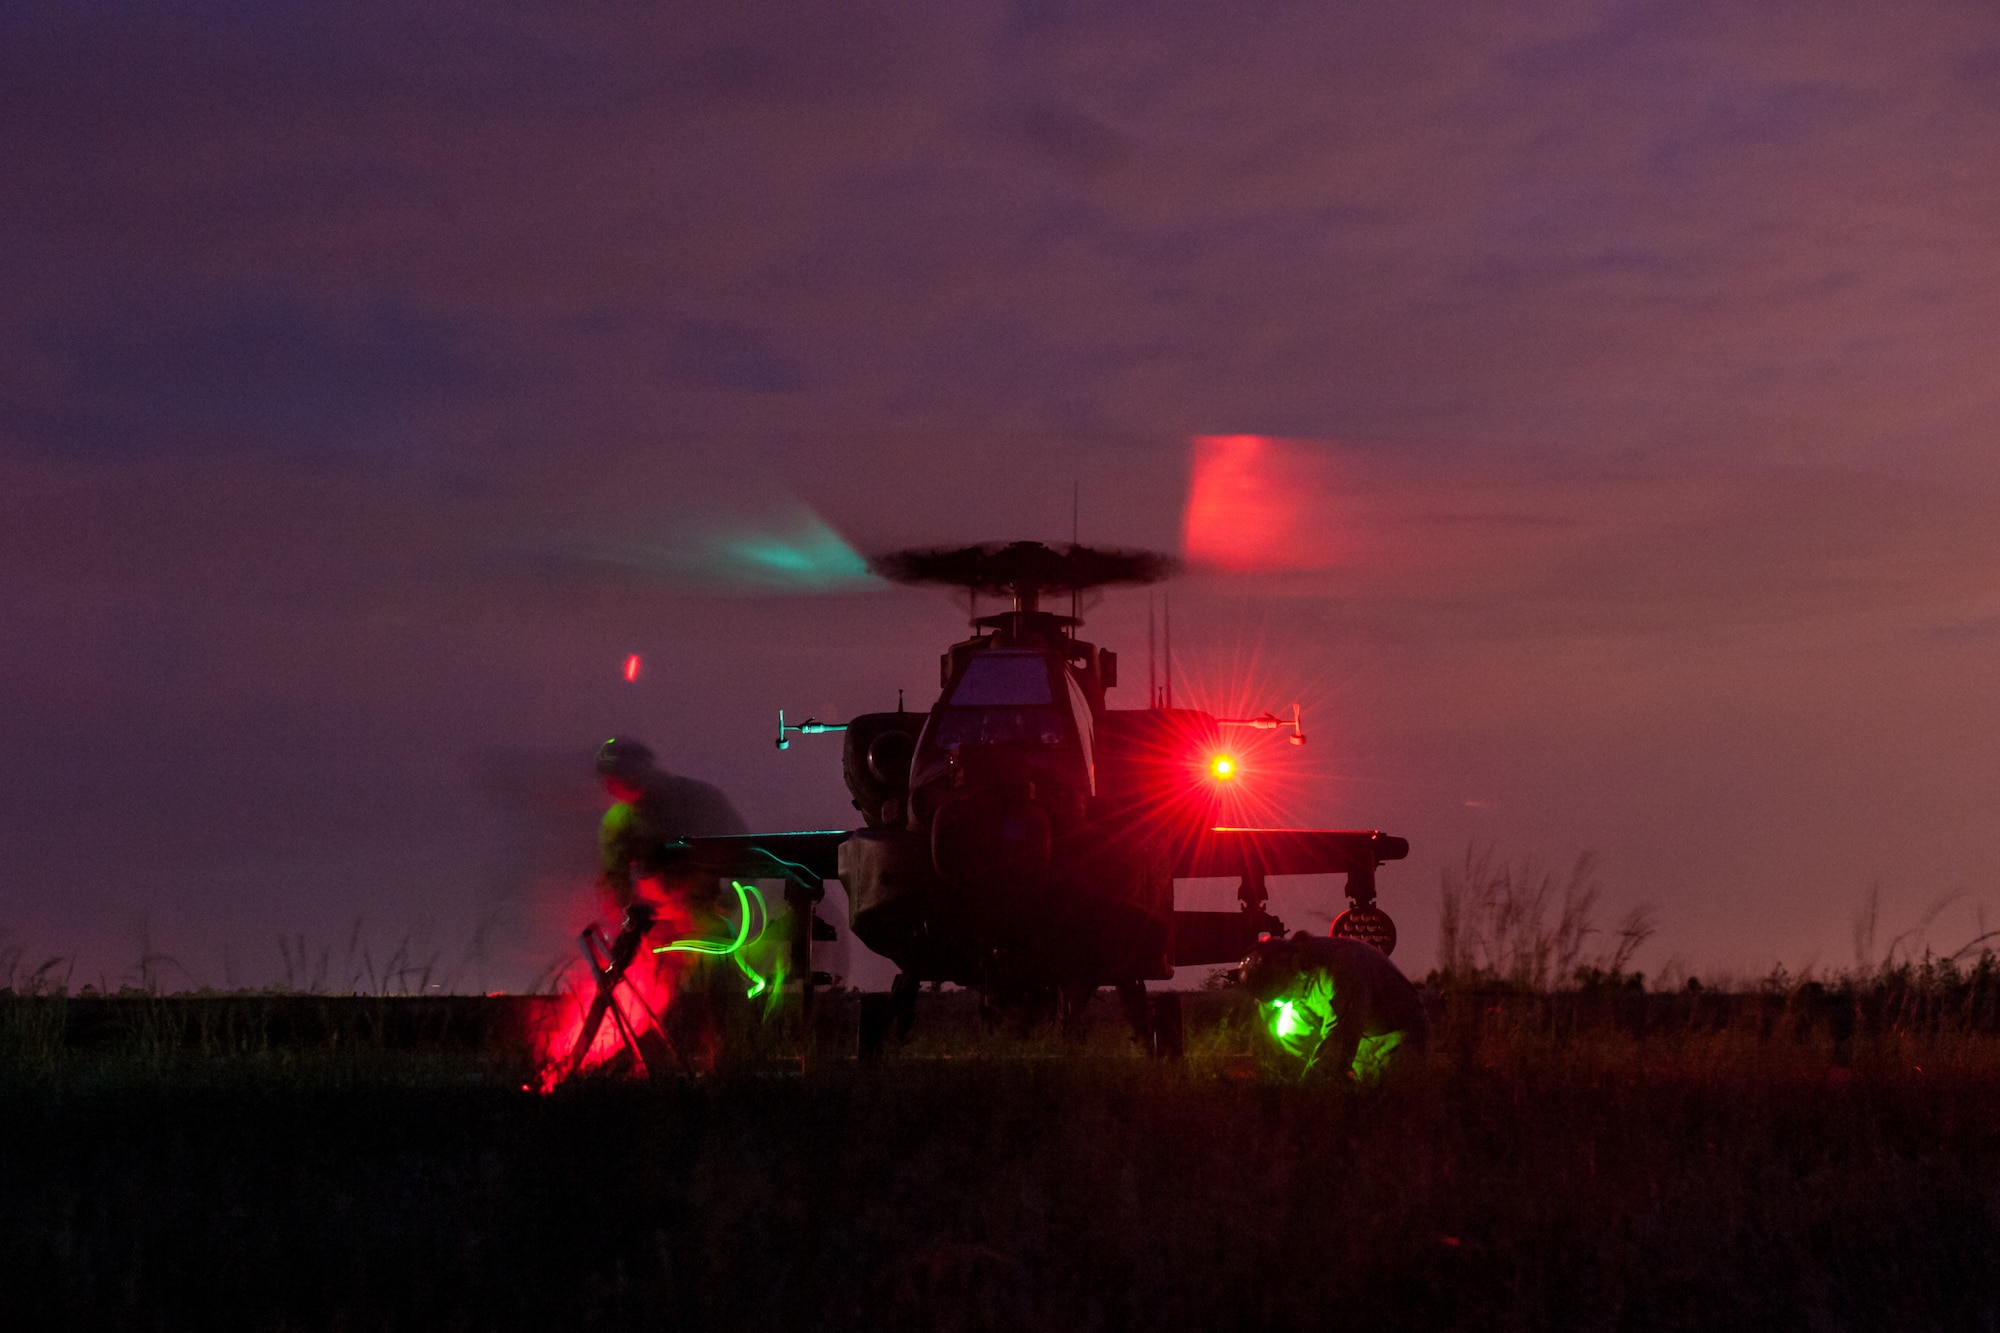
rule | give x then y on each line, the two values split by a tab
1021	837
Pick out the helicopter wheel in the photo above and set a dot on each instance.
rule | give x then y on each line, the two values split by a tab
903	1004
883	1015
1073	1011
878	1012
1169	1028
1132	995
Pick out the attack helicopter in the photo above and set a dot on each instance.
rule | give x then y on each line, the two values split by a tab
1021	837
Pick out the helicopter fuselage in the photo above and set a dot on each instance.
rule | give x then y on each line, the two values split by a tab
1020	837
1035	834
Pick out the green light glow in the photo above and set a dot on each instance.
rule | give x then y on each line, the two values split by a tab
1288	1025
756	981
733	948
805	554
782	552
803	875
779	548
1373	1056
1301	1020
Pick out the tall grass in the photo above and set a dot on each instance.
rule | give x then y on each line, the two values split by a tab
1528	927
1574	1151
1705	1170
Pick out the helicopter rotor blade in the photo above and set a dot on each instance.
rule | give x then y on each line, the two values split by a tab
1020	566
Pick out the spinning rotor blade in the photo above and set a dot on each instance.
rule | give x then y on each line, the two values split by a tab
789	551
1024	566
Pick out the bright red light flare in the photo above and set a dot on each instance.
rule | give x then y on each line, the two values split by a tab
1222	768
1271	787
632	667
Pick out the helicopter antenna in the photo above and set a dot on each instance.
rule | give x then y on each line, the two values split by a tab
1075	594
1167	636
1152	657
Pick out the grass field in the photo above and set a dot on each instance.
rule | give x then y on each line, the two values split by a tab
1601	1158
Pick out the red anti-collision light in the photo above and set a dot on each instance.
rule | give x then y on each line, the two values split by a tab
1222	768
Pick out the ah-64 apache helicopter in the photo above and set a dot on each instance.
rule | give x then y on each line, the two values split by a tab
1022	837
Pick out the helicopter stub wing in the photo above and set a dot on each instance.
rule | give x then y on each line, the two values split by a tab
795	856
1290	851
1253	853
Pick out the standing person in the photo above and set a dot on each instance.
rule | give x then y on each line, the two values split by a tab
1339	1004
652	812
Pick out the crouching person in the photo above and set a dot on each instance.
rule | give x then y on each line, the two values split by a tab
1338	1004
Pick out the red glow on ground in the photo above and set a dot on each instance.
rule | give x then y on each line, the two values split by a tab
1258	504
649	984
632	667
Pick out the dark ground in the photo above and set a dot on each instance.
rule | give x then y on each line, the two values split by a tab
1665	1162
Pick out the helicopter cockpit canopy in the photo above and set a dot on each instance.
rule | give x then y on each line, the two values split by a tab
1021	699
1018	718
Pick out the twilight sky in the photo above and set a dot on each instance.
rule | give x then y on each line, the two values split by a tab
1591	411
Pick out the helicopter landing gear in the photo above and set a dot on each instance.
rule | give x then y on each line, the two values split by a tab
882	1015
802	896
1169	1029
1072	1011
875	1018
1156	1020
1132	996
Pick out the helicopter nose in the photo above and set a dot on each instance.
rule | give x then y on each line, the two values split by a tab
991	843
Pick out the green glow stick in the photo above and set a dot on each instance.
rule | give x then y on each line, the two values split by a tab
734	948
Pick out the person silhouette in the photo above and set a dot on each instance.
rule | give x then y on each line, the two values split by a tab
1338	1004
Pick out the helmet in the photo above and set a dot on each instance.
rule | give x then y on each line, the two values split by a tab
1270	967
623	757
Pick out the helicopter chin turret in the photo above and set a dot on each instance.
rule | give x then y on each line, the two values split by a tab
989	829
